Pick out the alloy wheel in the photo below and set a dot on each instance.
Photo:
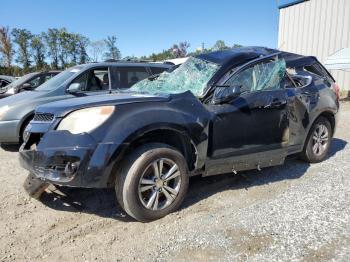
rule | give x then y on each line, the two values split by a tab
320	139
159	184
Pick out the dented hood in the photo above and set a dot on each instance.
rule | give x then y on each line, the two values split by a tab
63	107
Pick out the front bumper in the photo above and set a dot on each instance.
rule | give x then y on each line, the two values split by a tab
66	159
9	131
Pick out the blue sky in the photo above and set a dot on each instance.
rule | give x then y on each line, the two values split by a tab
143	27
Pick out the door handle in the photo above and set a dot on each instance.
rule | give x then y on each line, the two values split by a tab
276	104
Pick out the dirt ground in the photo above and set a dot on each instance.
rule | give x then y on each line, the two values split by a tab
294	212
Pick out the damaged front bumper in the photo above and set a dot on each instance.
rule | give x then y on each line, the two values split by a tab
62	158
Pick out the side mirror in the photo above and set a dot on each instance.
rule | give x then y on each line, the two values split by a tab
27	86
73	88
225	94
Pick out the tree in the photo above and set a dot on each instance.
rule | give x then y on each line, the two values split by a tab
6	46
39	50
66	45
82	45
219	45
112	49
180	50
51	39
97	50
22	38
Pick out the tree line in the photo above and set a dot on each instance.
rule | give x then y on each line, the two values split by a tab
181	50
21	51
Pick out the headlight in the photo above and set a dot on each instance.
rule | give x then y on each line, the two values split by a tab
10	91
3	111
85	120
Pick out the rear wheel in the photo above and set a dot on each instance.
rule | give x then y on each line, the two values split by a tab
318	141
153	182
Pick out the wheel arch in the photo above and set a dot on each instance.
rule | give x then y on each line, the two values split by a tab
329	115
172	136
24	121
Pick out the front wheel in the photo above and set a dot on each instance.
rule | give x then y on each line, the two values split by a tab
153	182
318	141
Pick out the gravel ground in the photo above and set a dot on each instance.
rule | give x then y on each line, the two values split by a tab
294	212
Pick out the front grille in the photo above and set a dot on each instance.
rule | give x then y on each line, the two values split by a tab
43	117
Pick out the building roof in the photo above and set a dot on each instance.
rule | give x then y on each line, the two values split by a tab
339	60
288	3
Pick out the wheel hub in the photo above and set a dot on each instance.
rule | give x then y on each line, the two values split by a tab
160	183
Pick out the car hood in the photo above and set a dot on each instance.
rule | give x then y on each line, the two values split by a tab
20	98
64	107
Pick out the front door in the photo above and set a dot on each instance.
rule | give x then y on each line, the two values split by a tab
253	128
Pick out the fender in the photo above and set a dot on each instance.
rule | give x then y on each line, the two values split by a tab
132	122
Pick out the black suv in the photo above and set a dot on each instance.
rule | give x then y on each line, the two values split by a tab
226	111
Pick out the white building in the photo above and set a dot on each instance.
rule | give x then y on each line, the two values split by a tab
319	28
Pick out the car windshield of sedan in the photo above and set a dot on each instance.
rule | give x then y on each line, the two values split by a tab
20	81
193	75
58	79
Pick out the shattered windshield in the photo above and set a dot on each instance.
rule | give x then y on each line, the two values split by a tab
193	75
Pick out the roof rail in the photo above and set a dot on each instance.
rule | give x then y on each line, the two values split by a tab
131	60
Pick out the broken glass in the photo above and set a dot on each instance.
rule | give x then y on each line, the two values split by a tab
193	75
261	76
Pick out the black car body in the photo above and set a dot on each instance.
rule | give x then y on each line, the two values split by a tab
27	82
225	128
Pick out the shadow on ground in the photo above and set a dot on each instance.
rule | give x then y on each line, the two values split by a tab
10	147
102	202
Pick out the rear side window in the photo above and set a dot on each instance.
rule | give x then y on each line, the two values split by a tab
319	71
128	76
157	70
314	69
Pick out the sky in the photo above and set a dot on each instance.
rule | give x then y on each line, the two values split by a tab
144	27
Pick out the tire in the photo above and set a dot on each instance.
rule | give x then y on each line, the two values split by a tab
23	128
315	156
137	182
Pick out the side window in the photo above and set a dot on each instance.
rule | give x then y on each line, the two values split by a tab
261	76
93	80
35	82
47	77
132	75
101	78
157	70
82	81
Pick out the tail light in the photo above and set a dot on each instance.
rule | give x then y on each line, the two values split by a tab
336	90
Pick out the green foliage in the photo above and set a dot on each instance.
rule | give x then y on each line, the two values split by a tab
112	50
38	51
22	37
6	48
52	41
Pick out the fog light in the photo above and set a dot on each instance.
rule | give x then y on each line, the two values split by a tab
71	168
